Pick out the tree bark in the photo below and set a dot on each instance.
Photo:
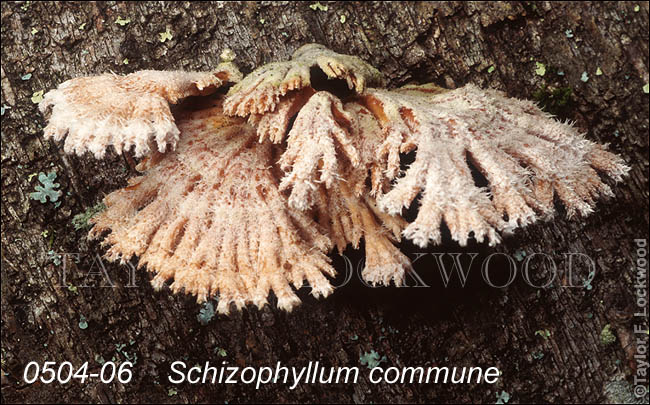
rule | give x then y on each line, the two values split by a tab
545	341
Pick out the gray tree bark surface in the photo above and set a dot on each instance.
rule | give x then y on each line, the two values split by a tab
545	341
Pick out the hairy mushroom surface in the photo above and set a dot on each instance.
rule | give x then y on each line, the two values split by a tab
247	195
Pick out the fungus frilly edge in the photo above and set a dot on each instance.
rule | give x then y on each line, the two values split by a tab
236	200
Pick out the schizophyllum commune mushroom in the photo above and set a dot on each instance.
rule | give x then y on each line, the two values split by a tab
247	192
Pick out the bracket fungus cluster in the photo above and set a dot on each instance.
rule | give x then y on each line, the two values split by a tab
248	193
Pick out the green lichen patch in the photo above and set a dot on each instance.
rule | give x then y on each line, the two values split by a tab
37	96
587	284
122	21
54	257
503	397
83	323
165	36
80	221
47	188
544	333
227	55
371	359
520	255
318	6
206	313
220	351
553	100
73	289
607	337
